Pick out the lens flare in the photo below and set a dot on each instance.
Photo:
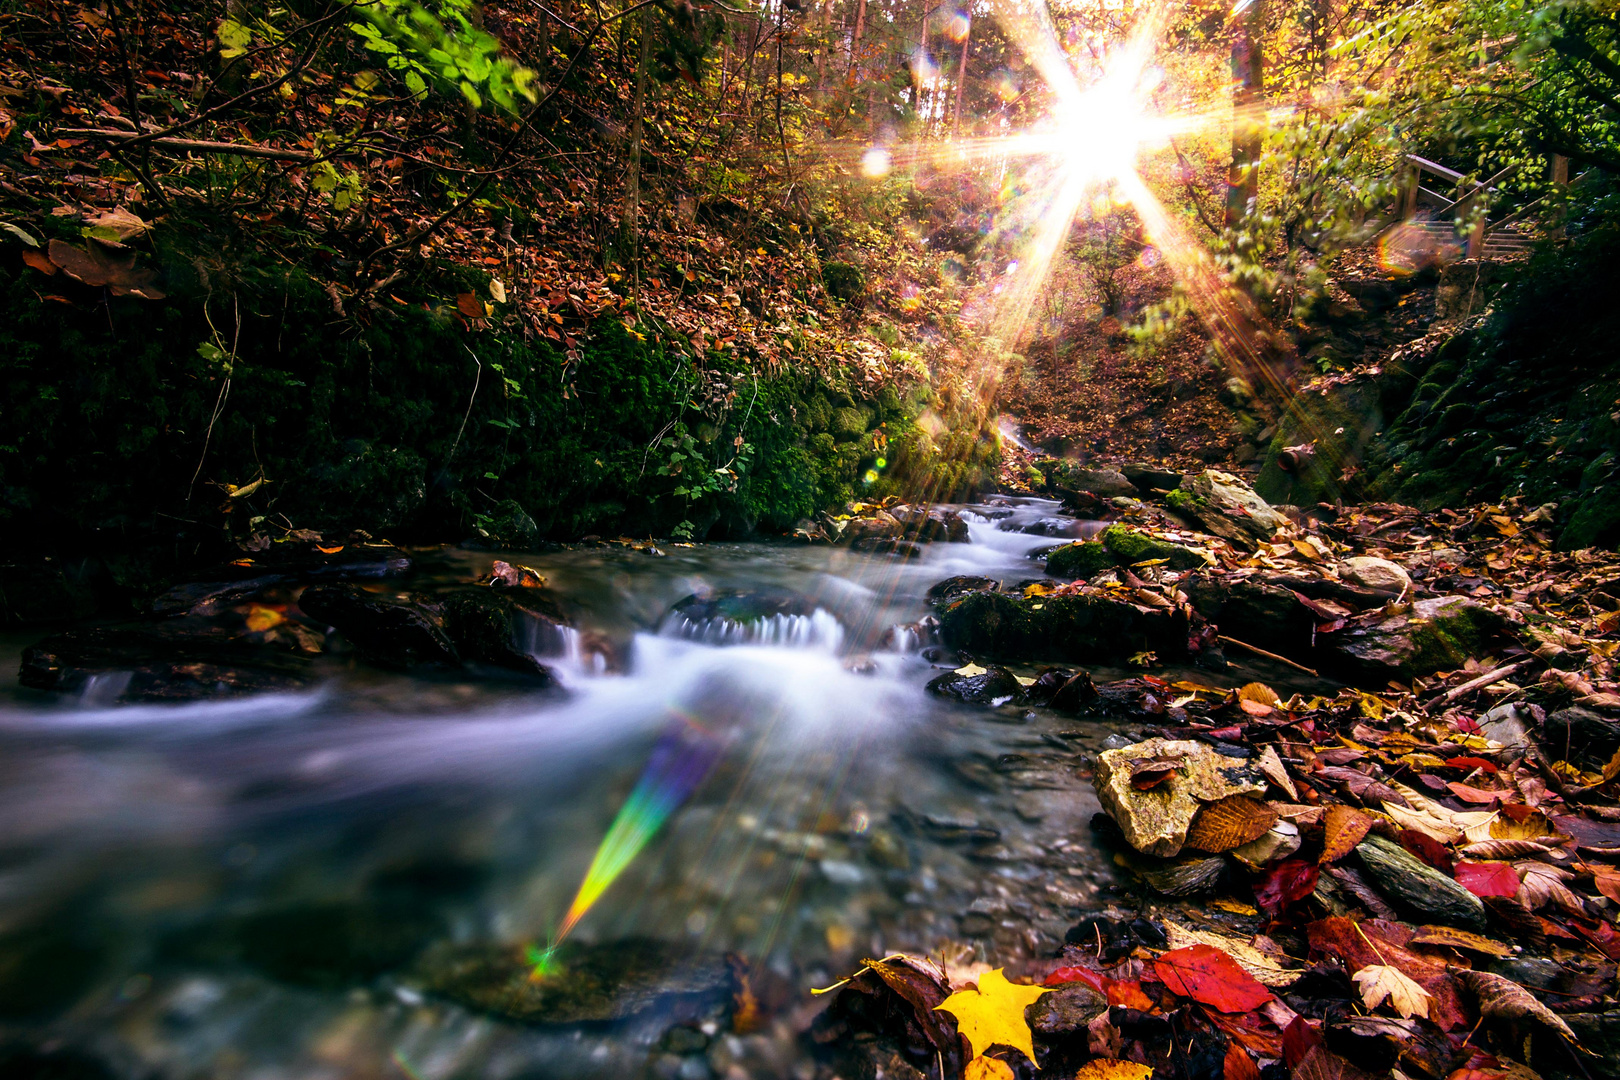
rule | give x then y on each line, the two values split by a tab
681	759
876	163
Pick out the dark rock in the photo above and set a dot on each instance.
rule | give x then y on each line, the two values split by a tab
996	684
583	983
1598	1032
1047	683
1147	478
961	585
1077	694
395	632
988	624
931	523
205	597
1251	611
1080	560
504	627
743	606
881	545
509	528
1580	736
1062	527
35	593
1092	626
309	560
162	662
1419	887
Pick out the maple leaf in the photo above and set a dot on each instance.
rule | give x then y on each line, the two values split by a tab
1488	878
994	1013
988	1068
1208	975
1379	982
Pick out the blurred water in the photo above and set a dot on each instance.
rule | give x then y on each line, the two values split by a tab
167	863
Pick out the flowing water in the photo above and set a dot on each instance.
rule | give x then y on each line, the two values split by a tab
254	888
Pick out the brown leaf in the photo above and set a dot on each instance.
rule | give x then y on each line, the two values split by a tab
1272	768
1502	849
39	261
1504	999
1320	1063
469	305
1229	823
1149	773
1452	938
100	265
1380	982
1343	828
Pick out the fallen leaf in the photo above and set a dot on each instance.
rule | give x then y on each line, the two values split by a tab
1272	768
1230	822
1342	829
1503	999
497	290
1238	1064
261	618
39	261
1320	1063
988	1068
1283	884
1113	1069
119	223
469	305
1453	938
100	266
1265	968
1380	982
1502	849
1210	977
1487	878
993	1015
1149	773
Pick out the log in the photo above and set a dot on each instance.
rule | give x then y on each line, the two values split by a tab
202	146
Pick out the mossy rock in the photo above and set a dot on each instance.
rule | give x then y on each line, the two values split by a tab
509	528
1092	627
1436	634
1595	522
848	424
1131	546
1079	560
988	624
492	626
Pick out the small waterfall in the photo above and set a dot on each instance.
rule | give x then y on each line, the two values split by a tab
818	630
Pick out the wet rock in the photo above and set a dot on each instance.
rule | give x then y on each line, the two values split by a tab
883	545
953	587
44	592
313	560
1095	626
1378	574
206	597
161	662
1130	546
47	966
1049	526
1503	724
1419	887
505	575
1155	821
1148	478
1269	616
995	686
1080	560
1225	506
1439	633
1580	736
987	624
390	631
929	524
1077	694
507	630
1073	476
743	606
1068	1010
881	525
1598	1032
584	983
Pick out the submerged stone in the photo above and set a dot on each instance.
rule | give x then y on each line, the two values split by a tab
584	984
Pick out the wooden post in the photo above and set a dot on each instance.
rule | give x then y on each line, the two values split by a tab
1409	191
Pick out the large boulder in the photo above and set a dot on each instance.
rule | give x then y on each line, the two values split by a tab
880	525
507	628
1432	635
988	624
1155	821
387	630
1130	546
1072	476
1089	625
1254	612
1079	560
1225	506
931	523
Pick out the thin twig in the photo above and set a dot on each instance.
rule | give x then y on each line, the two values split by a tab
209	146
479	374
1476	684
1268	655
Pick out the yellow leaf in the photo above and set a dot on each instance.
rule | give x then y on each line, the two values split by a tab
988	1068
1110	1069
1380	981
994	1013
1235	907
967	671
262	618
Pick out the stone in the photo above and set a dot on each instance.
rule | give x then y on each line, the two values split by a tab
206	597
494	626
884	545
1254	612
1155	821
1068	1010
329	945
1080	560
1435	634
929	524
1064	475
159	662
987	624
611	981
1580	736
1226	507
1504	725
1149	478
1373	573
881	524
954	587
996	684
390	631
1418	887
1280	842
509	528
1130	546
1094	626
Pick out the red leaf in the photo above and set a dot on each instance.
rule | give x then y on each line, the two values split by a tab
1238	1065
39	261
1375	941
1075	975
1281	885
1471	763
1127	992
1208	975
1427	850
1299	1038
1488	878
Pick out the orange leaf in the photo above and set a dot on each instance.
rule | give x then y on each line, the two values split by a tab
1239	1065
1229	823
1343	828
39	261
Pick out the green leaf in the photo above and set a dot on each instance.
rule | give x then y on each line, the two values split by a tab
21	234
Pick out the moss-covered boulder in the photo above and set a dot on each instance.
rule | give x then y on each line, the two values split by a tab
988	624
1130	546
504	627
387	630
1063	475
1433	635
1224	505
1093	627
1079	560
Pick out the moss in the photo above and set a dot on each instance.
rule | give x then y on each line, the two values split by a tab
1130	546
843	280
988	624
1080	560
848	424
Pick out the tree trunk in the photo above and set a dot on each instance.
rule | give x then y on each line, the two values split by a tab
1248	78
961	77
631	226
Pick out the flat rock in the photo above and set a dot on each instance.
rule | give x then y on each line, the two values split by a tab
1373	573
160	662
1435	634
1419	887
388	630
954	587
1226	506
1155	821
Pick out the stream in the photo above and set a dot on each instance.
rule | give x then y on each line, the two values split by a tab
255	887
